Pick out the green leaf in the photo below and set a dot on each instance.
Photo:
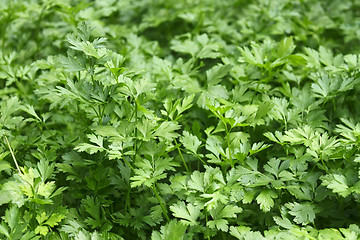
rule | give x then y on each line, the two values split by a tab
171	231
331	234
249	57
4	230
149	172
283	222
337	183
186	104
304	213
8	108
167	130
45	169
4	166
43	230
245	233
188	212
12	189
71	63
190	142
219	224
219	213
45	189
285	47
12	217
208	49
186	46
215	198
216	73
40	218
325	85
266	199
30	110
146	128
54	219
229	211
196	181
263	109
90	148
326	56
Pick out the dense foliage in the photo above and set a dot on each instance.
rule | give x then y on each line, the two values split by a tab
179	119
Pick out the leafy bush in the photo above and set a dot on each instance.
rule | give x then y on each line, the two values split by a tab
179	119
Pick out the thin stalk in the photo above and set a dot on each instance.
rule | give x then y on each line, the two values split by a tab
126	161
46	127
206	221
182	157
103	110
97	114
6	24
37	28
100	118
314	225
323	163
228	140
12	154
136	119
161	204
3	34
128	195
200	159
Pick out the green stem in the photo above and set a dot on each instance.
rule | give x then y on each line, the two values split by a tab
100	115
46	127
97	114
12	154
182	157
128	195
127	162
201	160
7	21
228	141
206	221
323	163
161	204
37	28
136	132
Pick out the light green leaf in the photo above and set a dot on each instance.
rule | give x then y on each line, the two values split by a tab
167	130
188	212
196	181
304	213
4	166
285	47
216	73
337	183
30	110
54	219
190	142
43	230
266	199
40	218
45	189
90	148
220	224
171	231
